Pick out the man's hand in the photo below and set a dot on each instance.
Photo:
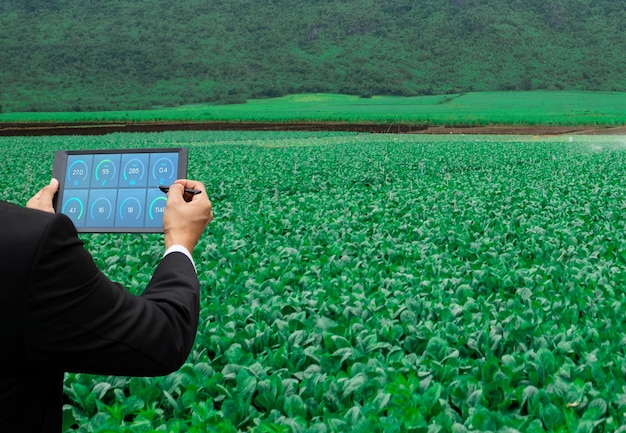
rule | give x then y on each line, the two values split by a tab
186	215
43	199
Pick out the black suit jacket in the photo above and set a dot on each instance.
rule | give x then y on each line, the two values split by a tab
59	313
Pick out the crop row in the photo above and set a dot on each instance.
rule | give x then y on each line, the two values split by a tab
380	283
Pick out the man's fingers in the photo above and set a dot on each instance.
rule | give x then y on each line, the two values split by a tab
190	184
187	186
175	194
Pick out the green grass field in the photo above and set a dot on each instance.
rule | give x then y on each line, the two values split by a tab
379	283
488	108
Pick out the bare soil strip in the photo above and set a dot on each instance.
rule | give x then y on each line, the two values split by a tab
102	128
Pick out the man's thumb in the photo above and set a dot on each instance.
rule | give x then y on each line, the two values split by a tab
49	190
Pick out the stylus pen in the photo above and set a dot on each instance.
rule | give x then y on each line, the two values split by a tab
165	189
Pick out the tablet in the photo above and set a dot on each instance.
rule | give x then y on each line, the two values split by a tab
116	190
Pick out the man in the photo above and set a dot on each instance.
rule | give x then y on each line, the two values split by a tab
59	313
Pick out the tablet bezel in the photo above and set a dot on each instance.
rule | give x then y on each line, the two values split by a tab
59	172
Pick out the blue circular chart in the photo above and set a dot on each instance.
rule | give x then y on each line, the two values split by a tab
101	208
74	208
106	172
77	172
163	171
157	207
130	209
134	171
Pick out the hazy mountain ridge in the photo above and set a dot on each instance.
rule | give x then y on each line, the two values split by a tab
67	55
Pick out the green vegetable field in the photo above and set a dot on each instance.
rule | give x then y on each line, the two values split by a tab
379	283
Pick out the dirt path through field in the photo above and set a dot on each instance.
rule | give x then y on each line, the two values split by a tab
98	128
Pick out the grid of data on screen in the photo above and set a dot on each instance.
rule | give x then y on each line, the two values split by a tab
118	190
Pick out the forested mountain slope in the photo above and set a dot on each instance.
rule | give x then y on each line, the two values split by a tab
122	54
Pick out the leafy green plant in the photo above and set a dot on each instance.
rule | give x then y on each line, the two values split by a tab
383	283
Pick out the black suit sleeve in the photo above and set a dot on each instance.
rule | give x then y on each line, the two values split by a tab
78	320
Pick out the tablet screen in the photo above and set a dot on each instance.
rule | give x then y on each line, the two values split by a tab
116	190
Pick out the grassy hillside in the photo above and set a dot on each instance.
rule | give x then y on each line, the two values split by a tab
90	55
485	108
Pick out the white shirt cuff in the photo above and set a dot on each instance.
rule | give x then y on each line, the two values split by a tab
181	249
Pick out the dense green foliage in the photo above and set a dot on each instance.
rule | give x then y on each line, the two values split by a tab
95	55
380	283
485	108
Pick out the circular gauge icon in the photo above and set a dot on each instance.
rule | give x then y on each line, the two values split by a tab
77	172
130	209
101	209
157	207
163	171
73	208
105	172
134	171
